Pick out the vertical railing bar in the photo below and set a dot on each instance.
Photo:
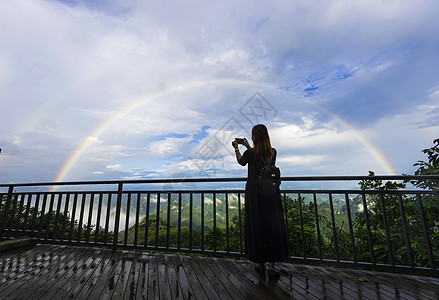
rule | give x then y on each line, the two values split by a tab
136	226
35	212
287	231
90	214
425	230
202	221
117	220
26	213
43	208
351	229
227	222
369	235
168	221
157	221
240	221
191	202
127	219
107	217
179	222
386	230
81	218
334	230
6	210
72	221
58	208
98	219
49	216
299	199
214	221
318	225
14	211
20	209
65	215
406	233
148	196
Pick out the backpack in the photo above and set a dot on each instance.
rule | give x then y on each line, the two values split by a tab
269	180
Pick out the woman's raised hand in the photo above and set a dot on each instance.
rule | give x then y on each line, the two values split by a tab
246	144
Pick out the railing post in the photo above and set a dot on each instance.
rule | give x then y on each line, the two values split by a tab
6	211
116	222
386	230
425	230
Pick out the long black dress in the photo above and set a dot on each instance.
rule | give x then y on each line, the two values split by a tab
264	220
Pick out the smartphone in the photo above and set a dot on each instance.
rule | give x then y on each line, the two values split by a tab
240	140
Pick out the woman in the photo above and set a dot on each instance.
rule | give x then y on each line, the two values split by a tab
264	221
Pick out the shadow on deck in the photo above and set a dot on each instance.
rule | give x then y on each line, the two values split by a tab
55	272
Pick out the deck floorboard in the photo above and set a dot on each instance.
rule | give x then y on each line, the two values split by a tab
57	272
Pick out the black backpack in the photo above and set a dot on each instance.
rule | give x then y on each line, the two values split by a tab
269	180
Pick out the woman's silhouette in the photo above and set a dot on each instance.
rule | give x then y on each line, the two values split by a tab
264	220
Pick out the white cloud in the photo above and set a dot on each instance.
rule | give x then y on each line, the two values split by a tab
167	147
295	160
113	167
70	73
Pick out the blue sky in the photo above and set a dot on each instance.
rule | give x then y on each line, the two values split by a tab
95	90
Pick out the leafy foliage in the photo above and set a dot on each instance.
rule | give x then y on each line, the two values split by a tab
428	168
52	225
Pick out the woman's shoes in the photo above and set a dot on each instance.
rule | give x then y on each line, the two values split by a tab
260	268
273	274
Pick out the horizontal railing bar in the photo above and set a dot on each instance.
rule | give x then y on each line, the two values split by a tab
329	191
360	192
184	180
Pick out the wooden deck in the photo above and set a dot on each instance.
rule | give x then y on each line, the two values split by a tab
56	272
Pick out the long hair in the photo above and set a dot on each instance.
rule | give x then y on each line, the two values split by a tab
262	146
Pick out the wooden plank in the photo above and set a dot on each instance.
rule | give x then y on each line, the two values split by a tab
102	285
15	264
44	280
74	276
331	282
96	273
20	260
349	282
183	280
321	276
195	284
130	291
232	290
174	284
53	272
113	277
78	258
143	277
262	282
84	274
124	275
213	279
205	283
240	281
302	282
27	277
153	285
163	282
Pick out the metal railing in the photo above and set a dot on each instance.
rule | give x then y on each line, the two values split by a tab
394	230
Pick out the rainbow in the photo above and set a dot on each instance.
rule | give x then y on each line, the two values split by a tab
370	147
101	128
93	136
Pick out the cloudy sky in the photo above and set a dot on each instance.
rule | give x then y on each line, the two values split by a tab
117	89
